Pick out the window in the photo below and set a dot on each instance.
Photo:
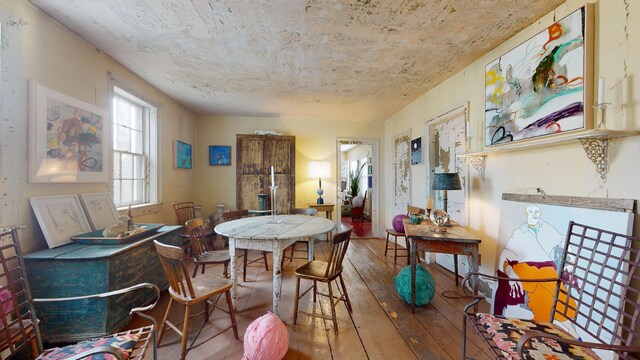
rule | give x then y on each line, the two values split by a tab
134	150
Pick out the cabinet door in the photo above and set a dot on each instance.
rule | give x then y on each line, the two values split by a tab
280	151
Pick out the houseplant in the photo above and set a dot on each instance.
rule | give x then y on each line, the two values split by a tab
355	180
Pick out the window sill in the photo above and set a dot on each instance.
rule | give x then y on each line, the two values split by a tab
142	209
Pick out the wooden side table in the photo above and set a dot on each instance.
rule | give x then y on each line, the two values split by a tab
327	208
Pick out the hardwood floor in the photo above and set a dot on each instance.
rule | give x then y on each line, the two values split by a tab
380	327
361	229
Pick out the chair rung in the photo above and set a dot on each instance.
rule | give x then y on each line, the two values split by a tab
193	346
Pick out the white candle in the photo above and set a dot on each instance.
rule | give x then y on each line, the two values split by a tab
273	176
601	90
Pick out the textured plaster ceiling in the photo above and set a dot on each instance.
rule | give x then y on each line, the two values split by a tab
357	60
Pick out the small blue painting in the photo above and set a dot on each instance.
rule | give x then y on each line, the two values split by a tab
416	151
183	155
219	155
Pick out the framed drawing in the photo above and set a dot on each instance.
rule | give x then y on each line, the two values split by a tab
68	138
60	217
544	85
182	155
416	151
100	210
219	155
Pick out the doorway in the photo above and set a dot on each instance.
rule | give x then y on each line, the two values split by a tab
357	186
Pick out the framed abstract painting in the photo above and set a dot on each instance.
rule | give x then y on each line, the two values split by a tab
182	155
219	155
68	138
543	86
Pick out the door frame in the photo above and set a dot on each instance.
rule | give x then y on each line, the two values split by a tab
375	196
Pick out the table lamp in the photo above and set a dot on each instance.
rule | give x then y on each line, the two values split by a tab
319	169
445	182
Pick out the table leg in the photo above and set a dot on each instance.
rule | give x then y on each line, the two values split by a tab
234	273
412	251
311	241
277	278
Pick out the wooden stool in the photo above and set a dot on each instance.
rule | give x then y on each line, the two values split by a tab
387	247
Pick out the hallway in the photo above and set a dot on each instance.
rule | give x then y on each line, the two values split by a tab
361	229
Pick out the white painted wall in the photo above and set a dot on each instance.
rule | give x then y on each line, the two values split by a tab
54	56
559	170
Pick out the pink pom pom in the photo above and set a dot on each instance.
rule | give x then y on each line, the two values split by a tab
266	338
397	223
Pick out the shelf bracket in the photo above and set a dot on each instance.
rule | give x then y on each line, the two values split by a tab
477	162
596	151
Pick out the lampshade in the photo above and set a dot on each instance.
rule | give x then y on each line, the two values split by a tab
446	181
319	169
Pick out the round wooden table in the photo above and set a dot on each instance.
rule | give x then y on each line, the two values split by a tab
262	233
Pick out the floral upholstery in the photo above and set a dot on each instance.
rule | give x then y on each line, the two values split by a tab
126	343
506	332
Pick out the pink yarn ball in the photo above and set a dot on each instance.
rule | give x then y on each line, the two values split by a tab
266	338
397	223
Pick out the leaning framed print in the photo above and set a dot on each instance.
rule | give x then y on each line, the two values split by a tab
60	217
68	138
544	86
100	210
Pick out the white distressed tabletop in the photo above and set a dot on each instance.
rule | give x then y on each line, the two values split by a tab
261	233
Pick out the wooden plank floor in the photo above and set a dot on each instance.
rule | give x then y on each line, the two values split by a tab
380	327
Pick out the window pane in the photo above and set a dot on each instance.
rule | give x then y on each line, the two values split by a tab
139	167
136	117
121	138
138	191
116	165
127	166
123	113
127	192
136	142
117	199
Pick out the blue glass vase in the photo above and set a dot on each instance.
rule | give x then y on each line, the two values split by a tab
263	201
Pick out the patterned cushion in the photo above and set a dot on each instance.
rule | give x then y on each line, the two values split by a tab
126	343
506	332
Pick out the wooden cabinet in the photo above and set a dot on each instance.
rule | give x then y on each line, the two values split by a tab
255	156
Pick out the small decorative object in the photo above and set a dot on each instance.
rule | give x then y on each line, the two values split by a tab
439	217
220	208
357	201
425	286
266	338
262	199
416	151
446	181
319	169
182	153
267	132
219	155
397	222
130	224
119	229
415	219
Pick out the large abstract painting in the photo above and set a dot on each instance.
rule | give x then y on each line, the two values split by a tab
540	87
402	170
531	239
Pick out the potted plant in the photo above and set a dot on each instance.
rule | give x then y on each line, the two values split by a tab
355	180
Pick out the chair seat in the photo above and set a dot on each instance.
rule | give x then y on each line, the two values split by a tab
124	343
505	333
204	287
214	256
394	233
314	270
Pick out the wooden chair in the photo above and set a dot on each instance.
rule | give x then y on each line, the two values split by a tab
593	297
189	292
326	272
411	210
292	249
239	214
201	255
19	325
357	212
185	211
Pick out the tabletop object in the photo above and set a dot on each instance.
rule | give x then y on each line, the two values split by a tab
260	233
456	240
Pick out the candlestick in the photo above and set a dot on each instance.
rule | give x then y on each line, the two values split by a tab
273	176
601	90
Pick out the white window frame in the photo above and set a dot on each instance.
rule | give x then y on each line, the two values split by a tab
152	198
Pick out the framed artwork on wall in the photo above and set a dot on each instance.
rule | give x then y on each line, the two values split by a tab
68	138
182	155
60	217
543	86
219	155
100	210
416	151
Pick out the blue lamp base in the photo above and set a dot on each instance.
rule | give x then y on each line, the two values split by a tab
320	199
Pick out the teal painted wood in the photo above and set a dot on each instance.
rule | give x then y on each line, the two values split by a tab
88	269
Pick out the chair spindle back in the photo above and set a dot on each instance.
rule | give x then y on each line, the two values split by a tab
234	215
185	211
195	229
173	262
339	245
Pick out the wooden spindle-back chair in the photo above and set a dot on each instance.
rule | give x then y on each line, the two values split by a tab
187	291
411	210
326	272
239	214
292	249
202	256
